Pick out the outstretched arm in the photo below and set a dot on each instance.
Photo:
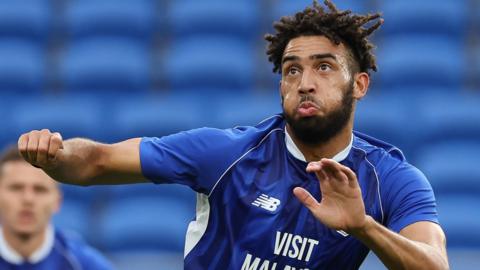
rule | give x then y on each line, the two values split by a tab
81	161
418	246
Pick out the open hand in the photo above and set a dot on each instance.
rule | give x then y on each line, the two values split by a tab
342	207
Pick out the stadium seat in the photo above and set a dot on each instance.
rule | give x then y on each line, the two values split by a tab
287	7
449	116
105	64
229	18
209	62
458	215
75	217
184	195
451	166
73	117
144	223
448	18
232	110
23	66
126	18
25	19
153	116
420	61
388	117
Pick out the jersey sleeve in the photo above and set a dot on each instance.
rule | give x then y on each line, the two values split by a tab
195	158
408	198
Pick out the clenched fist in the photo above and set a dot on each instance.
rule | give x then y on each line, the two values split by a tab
41	148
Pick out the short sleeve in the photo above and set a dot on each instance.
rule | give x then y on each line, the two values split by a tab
408	198
93	260
195	158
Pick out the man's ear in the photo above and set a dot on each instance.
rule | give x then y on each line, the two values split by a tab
360	85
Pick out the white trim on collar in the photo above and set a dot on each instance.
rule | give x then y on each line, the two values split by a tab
11	256
293	149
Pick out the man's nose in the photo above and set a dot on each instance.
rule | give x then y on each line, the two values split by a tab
307	84
28	196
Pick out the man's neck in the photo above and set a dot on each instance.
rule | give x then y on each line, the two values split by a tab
324	150
24	245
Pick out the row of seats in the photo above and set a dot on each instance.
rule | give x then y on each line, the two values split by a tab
406	119
143	18
111	46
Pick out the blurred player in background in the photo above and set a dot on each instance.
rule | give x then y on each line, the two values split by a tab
28	199
301	190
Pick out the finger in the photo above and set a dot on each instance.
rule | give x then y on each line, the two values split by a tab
352	177
316	167
56	143
305	198
334	170
22	145
43	146
32	146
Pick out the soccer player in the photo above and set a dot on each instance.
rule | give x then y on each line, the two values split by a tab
300	190
28	199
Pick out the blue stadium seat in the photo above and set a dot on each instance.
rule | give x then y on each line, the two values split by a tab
126	18
144	223
182	194
450	117
227	111
75	217
25	19
388	117
448	18
73	117
420	61
230	18
288	8
458	214
23	66
106	64
153	116
209	63
452	166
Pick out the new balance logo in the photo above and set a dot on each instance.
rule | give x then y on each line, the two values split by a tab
267	203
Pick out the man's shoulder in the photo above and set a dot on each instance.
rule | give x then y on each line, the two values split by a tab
388	161
383	156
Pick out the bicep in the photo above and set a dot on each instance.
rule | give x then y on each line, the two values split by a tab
121	163
427	232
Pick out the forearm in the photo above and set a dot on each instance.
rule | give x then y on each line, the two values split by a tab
78	163
397	251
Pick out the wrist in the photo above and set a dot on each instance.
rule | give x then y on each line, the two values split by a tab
364	230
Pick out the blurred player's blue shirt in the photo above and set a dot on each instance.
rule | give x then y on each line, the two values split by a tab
247	216
58	252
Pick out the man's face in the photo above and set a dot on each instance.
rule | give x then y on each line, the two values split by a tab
317	88
28	198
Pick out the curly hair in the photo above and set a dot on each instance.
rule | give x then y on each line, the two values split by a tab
338	26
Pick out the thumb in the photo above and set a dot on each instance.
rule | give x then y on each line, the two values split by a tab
305	198
59	138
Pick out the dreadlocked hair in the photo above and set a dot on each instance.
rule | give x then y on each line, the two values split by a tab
336	25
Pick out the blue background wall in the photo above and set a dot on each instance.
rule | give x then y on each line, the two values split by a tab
114	69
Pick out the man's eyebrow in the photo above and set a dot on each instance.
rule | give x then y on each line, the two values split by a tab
323	55
290	58
313	57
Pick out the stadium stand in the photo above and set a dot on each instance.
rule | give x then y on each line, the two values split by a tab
133	68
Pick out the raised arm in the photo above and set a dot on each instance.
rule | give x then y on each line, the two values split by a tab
420	245
81	161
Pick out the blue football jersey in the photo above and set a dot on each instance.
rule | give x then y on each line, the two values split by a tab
58	252
247	216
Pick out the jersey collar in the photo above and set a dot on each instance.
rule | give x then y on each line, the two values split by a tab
293	149
11	256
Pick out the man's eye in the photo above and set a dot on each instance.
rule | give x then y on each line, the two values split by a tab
324	67
293	71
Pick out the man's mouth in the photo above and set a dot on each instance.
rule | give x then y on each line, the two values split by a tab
307	109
